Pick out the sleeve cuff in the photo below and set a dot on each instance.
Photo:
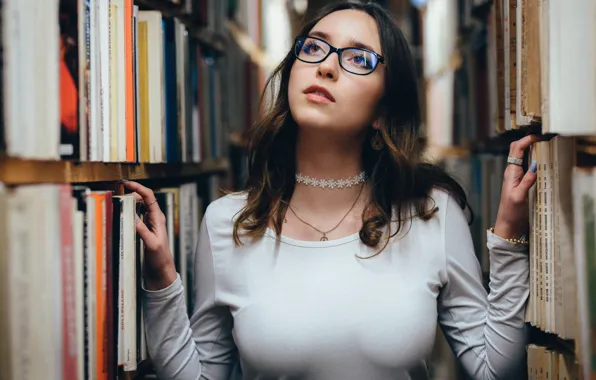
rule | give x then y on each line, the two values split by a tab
165	292
495	242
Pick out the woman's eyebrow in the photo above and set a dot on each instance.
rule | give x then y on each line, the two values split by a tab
353	42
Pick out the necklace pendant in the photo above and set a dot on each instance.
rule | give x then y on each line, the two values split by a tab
324	238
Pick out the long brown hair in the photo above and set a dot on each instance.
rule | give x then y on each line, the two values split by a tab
400	179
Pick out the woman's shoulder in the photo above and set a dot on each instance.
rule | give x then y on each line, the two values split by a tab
444	204
220	213
441	197
449	205
440	188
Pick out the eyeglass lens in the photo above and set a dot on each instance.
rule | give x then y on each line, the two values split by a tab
355	60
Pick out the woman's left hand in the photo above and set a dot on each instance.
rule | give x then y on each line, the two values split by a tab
512	217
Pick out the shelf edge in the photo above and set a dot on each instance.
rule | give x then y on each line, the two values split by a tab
14	171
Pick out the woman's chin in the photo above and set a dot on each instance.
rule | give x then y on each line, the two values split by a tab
315	119
331	127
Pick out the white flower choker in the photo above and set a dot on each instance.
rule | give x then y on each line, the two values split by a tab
331	183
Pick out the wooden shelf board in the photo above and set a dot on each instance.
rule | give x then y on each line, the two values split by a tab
168	8
15	171
216	41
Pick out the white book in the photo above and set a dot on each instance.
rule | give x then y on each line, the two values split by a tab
95	114
439	48
54	297
584	206
103	32
114	88
128	285
21	287
507	65
41	219
12	45
30	40
49	135
137	110
5	285
572	77
120	322
520	66
543	8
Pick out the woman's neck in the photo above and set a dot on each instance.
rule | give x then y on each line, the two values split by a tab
323	157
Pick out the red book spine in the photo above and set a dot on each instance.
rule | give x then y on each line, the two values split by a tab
69	326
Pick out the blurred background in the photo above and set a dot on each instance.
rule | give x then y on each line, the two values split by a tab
163	92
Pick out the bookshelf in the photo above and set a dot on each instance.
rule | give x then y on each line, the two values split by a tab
516	76
144	90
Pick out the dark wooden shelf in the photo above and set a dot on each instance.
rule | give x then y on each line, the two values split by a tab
206	37
144	368
167	7
215	41
550	340
15	171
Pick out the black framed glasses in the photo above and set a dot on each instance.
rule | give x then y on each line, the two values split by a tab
354	60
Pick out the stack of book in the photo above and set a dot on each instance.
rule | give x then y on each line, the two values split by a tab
94	91
110	82
495	71
71	267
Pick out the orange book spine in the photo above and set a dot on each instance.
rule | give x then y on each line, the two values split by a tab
100	290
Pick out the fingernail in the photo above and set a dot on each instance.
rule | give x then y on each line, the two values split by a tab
534	166
136	218
123	180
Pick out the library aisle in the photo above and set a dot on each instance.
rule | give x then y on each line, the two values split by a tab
162	91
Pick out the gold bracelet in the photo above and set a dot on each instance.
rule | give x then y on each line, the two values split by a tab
515	241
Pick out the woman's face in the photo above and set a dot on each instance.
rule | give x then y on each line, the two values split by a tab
352	100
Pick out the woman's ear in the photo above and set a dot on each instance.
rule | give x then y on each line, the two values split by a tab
376	124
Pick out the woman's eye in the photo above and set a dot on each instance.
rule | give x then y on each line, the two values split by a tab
361	61
311	48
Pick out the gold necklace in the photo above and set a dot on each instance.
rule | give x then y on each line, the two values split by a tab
324	233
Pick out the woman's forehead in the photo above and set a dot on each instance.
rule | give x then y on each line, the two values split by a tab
348	28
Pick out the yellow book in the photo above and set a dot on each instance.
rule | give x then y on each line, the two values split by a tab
143	91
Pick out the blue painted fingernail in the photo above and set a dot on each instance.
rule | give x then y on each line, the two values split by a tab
534	166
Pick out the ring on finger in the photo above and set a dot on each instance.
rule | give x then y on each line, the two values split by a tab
149	204
515	161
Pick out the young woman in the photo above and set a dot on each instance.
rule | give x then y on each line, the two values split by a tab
346	248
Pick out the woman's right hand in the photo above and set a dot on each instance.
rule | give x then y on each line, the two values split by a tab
159	269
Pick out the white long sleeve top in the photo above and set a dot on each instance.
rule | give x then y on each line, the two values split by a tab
277	309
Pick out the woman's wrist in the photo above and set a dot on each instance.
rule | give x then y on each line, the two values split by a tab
506	231
155	280
509	233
